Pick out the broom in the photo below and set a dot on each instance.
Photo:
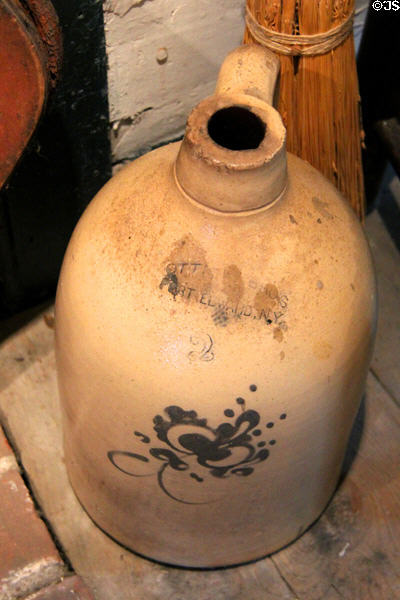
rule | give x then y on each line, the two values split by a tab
319	100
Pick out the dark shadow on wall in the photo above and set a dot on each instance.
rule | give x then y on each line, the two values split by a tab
378	73
67	162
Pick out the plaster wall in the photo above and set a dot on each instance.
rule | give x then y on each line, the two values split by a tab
163	58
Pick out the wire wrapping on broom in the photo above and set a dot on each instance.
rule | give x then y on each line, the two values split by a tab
299	45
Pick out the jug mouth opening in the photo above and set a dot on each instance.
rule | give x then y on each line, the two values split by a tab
236	128
238	133
233	156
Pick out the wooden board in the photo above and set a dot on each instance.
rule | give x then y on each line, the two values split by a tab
30	413
386	360
351	552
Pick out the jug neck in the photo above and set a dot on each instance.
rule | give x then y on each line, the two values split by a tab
233	156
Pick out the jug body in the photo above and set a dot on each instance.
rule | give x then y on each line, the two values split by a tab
213	340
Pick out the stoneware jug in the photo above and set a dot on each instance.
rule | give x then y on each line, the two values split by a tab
214	323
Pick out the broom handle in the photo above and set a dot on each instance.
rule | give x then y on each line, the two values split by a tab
250	70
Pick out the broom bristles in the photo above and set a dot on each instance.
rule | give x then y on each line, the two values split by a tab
319	100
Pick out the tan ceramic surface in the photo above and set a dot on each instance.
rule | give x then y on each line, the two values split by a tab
257	325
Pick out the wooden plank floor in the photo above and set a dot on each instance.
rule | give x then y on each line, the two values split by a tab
386	360
351	552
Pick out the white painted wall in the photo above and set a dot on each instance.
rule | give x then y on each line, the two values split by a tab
163	58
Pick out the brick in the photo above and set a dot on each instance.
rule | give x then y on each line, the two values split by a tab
71	588
5	449
28	557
